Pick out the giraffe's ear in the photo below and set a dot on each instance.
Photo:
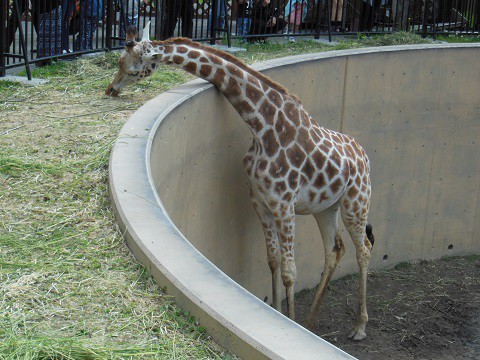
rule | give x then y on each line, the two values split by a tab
146	32
131	37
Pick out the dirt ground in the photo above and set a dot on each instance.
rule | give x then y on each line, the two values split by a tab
429	310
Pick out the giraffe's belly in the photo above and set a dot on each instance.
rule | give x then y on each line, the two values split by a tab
305	205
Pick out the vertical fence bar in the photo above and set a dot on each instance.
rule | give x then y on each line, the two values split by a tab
329	16
22	39
424	19
3	23
434	19
108	25
226	24
213	23
317	20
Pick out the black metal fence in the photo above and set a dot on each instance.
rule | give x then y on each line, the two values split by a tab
39	30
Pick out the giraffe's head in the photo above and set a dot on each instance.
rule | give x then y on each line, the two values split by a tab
137	61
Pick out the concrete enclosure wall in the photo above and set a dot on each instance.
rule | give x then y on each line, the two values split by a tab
181	196
416	112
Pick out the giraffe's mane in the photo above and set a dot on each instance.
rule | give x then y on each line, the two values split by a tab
230	58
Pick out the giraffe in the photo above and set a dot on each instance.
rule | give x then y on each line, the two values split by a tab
294	166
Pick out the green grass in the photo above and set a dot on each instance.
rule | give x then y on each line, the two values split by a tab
403	265
397	38
69	287
459	38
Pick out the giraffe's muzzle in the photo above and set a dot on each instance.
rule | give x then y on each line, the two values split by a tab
111	91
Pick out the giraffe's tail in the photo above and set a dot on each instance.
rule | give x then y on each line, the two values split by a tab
370	236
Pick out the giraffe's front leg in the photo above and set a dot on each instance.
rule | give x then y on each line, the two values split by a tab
271	239
286	232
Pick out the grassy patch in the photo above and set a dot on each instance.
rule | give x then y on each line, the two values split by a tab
17	167
403	265
396	38
459	38
69	287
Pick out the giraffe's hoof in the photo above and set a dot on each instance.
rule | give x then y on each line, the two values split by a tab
310	323
357	335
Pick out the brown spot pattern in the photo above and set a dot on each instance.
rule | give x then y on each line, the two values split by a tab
234	70
268	111
336	138
280	187
326	133
305	118
177	59
215	59
244	108
353	192
267	182
265	86
331	170
219	76
296	155
320	181
291	112
255	124
275	98
345	173
293	179
270	143
304	140
193	54
233	89
262	165
336	158
335	186
285	131
191	67
253	80
323	196
308	169
279	167
253	93
205	70
319	159
314	135
288	196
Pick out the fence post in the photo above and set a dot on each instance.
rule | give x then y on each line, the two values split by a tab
22	38
317	20
3	20
213	23
109	22
434	15
424	25
329	12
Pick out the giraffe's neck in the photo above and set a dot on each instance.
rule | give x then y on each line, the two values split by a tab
257	99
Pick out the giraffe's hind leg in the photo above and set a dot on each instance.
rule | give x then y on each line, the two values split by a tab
356	224
271	238
334	249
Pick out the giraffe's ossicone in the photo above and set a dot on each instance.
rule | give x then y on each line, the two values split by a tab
294	166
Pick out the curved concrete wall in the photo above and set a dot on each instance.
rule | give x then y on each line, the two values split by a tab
176	174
